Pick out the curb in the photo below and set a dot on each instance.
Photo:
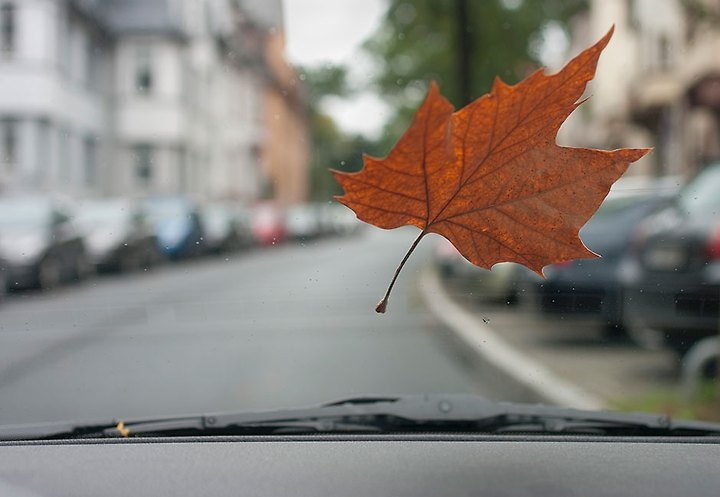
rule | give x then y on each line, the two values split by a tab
520	376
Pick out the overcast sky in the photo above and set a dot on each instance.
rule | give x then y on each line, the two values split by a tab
320	31
331	31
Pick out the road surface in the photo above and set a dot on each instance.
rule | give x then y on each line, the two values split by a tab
288	326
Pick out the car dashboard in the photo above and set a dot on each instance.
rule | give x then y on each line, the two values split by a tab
412	465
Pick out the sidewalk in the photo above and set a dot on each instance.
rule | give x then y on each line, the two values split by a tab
553	360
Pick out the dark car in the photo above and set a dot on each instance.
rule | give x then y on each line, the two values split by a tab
40	243
592	286
226	228
118	235
178	226
672	274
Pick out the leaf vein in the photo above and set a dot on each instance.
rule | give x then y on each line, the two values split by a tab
383	189
569	182
386	210
535	230
492	238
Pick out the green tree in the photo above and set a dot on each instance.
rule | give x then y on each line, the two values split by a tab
331	147
324	81
461	44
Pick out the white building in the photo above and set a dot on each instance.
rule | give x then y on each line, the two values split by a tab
128	97
657	83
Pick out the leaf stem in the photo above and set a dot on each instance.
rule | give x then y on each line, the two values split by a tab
382	305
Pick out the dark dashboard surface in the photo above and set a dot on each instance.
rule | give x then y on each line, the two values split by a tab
373	467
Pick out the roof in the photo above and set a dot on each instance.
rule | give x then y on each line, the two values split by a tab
140	16
266	13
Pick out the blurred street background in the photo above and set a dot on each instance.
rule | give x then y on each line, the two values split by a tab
169	242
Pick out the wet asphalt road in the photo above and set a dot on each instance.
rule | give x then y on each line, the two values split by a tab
289	326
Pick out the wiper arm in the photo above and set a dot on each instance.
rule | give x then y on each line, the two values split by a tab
488	416
404	414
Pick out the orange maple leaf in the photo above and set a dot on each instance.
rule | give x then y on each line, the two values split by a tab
490	177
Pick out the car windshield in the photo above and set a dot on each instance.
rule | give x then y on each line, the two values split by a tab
320	201
20	215
701	197
167	209
99	214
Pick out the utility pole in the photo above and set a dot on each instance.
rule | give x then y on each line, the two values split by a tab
464	52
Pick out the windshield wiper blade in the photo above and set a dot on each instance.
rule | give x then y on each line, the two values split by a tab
487	416
402	414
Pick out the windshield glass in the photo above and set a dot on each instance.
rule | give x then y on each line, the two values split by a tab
243	279
159	210
99	214
701	195
22	214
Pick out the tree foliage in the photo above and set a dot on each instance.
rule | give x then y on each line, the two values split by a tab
331	147
419	41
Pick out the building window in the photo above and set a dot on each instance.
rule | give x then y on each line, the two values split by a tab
143	72
90	161
144	164
8	142
7	28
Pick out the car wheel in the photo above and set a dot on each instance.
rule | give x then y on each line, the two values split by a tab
49	273
679	342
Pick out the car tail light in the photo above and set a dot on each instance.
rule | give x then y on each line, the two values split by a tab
713	246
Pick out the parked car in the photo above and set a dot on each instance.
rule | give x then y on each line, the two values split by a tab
178	226
672	273
118	235
243	220
302	222
502	283
593	286
451	262
336	219
268	224
40	242
225	229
